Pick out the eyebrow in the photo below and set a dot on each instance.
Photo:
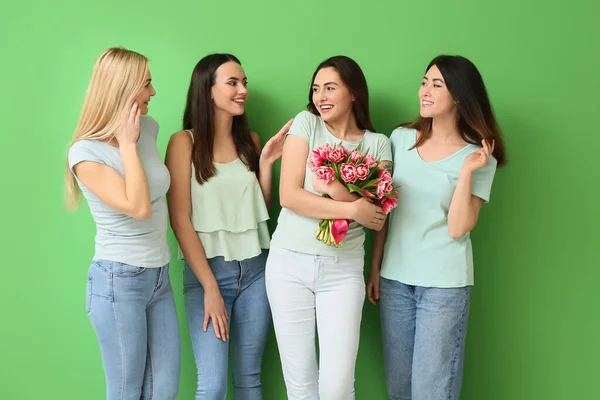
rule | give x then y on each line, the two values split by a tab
328	83
434	79
233	78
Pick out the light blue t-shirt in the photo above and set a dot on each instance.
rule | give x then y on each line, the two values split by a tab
119	237
419	250
297	232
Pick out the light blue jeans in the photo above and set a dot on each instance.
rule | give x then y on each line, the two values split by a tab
242	286
133	313
424	332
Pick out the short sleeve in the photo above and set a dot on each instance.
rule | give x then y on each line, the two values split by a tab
303	125
384	148
83	150
483	178
399	141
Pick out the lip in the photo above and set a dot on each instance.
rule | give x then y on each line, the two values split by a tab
240	101
429	103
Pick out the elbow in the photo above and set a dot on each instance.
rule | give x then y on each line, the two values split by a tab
286	199
142	213
458	232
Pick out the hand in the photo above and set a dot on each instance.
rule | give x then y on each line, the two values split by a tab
128	132
214	308
368	214
479	158
272	150
373	285
329	188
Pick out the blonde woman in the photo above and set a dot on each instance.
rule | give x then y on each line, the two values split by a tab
114	161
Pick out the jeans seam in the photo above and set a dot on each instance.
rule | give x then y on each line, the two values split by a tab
123	366
457	349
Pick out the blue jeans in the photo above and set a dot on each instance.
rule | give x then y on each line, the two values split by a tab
424	332
242	286
133	313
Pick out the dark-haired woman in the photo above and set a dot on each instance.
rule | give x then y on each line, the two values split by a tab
218	205
309	282
444	164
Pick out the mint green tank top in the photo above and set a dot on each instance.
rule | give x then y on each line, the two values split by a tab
229	213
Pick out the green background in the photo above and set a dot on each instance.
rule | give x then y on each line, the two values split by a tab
534	327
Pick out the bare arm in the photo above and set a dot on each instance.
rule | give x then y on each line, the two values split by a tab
129	195
178	161
265	176
295	198
465	207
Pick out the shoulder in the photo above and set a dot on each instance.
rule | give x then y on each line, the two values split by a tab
306	117
255	138
86	146
402	133
180	141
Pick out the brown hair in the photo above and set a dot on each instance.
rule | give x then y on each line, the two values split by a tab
355	81
199	118
476	120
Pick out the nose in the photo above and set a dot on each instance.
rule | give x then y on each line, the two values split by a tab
152	91
242	89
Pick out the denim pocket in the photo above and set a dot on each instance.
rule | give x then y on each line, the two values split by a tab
122	270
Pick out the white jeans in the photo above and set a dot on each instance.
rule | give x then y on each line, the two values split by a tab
301	287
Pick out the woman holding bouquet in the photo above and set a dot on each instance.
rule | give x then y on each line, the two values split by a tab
445	163
218	203
309	281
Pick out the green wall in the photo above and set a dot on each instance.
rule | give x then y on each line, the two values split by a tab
534	328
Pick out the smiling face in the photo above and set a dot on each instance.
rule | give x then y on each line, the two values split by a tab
436	100
230	91
331	96
147	92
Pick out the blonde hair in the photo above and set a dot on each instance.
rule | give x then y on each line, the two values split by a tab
118	77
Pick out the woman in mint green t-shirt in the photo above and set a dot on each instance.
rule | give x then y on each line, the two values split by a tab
218	203
309	282
444	164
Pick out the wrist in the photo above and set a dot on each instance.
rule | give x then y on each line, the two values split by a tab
350	210
264	162
127	148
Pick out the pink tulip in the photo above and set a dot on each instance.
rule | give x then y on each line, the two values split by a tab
338	154
383	188
367	193
362	171
355	156
348	172
388	203
315	161
385	176
370	161
339	228
323	150
325	173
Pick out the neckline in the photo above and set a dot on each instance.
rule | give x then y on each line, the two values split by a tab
225	164
450	156
337	138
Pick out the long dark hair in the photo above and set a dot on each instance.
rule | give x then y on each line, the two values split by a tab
476	120
199	118
355	81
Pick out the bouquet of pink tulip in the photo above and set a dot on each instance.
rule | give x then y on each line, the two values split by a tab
359	173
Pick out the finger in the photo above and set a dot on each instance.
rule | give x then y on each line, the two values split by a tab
223	326
216	326
133	111
206	318
137	117
376	289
